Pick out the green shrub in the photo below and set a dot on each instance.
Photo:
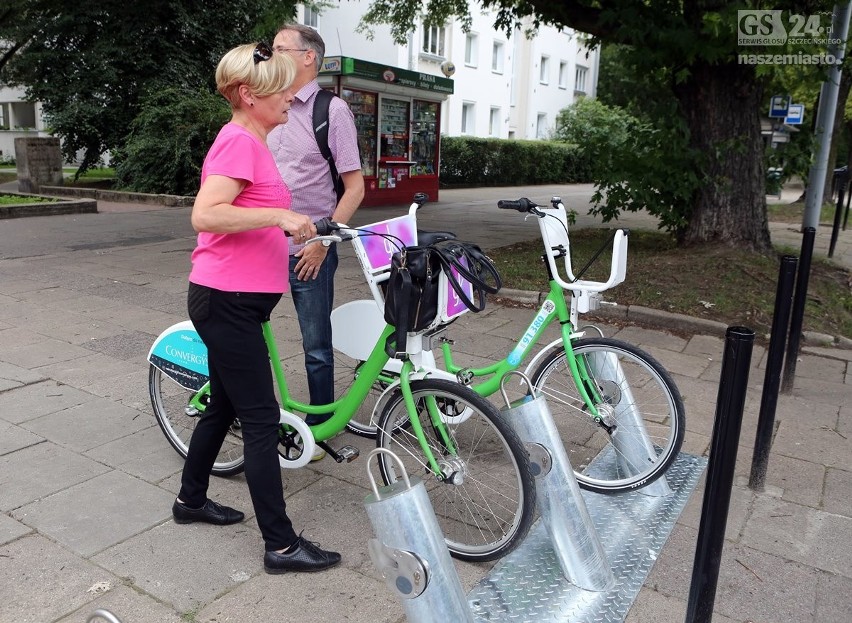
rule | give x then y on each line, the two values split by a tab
470	162
168	141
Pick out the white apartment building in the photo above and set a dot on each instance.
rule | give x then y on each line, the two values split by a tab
18	118
504	87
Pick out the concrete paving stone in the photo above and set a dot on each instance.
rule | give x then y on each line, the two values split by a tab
695	444
688	365
795	410
137	318
95	514
89	425
800	482
41	581
39	397
145	454
822	368
125	345
833	598
24	478
307	598
821	392
14	438
13	308
844	420
187	566
94	368
80	333
809	536
12	286
12	377
11	529
739	508
837	497
653	607
44	353
126	604
18	337
752	585
60	297
131	390
130	294
42	318
708	345
647	338
810	441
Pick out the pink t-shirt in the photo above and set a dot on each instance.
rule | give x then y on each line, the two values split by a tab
248	261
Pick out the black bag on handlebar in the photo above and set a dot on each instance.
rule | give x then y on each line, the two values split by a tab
411	298
412	294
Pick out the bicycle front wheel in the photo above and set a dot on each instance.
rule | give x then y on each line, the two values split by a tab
485	497
643	420
177	419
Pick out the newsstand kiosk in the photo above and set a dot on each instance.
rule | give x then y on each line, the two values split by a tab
398	116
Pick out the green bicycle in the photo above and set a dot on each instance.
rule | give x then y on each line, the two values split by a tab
476	471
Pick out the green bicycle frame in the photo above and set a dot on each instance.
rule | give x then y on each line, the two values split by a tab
553	308
346	406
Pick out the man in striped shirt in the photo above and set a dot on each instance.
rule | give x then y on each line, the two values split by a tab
307	175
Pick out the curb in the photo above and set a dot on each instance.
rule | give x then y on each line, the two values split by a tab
658	319
173	201
61	206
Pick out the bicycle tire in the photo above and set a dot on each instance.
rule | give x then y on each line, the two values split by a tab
487	512
639	385
177	420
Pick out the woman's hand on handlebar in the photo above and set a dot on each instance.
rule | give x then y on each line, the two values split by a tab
297	225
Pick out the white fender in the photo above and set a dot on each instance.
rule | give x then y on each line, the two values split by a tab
307	437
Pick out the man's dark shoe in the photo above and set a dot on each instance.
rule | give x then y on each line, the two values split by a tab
211	512
305	556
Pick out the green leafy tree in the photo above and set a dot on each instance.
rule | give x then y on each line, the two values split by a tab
689	47
92	62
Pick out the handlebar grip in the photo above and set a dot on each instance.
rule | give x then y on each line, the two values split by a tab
521	205
326	226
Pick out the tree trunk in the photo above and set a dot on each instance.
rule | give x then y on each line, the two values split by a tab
722	104
837	131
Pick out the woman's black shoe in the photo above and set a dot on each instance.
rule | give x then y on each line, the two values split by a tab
211	512
304	556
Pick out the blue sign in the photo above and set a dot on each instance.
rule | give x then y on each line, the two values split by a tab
778	106
795	114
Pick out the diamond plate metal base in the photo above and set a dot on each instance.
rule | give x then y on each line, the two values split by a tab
528	585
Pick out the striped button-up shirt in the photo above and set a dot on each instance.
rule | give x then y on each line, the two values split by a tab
299	160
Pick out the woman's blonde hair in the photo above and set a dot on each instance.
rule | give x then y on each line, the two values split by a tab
263	77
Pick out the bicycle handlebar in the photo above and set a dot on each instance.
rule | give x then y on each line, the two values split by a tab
521	205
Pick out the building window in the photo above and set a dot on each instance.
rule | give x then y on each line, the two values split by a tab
311	17
580	79
470	50
468	111
433	40
544	70
541	125
497	58
563	74
494	122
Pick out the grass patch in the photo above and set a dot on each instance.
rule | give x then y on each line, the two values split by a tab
8	176
19	200
713	282
795	212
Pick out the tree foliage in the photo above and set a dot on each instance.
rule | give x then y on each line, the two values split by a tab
91	63
702	115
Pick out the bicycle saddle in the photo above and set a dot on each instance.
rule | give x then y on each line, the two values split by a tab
425	238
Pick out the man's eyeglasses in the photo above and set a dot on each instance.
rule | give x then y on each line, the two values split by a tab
262	52
291	49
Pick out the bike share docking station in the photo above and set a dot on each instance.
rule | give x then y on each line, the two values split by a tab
584	560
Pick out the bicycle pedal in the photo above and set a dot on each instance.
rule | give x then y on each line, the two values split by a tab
346	453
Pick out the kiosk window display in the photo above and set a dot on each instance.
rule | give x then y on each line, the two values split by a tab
397	115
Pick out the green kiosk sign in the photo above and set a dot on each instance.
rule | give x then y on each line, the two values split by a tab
346	66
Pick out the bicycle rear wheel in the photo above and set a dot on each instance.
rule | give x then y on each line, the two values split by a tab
643	426
177	419
485	499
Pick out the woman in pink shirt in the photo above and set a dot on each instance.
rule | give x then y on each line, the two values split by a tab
239	272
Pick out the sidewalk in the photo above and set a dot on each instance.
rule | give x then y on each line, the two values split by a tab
87	479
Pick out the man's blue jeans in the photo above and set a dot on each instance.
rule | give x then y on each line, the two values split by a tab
314	300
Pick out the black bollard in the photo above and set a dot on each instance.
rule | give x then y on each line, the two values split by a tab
772	380
798	313
838	213
733	385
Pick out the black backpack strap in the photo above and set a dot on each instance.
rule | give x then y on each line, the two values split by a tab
322	101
